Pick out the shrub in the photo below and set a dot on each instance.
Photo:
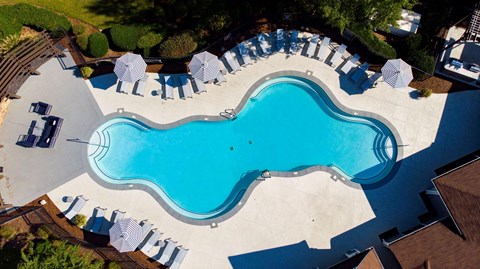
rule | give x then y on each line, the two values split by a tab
113	265
43	232
179	45
79	220
7	232
425	93
79	29
219	22
8	43
86	71
37	17
418	56
148	41
125	37
373	44
82	42
97	45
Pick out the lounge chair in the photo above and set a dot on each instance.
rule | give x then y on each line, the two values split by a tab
280	44
186	86
312	46
178	258
99	215
220	79
42	108
266	48
140	86
167	251
338	56
360	72
350	64
28	140
146	227
168	87
231	61
222	67
294	42
370	82
150	240
122	87
244	53
75	207
324	49
199	85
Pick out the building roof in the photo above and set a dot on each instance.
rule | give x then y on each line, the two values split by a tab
408	24
460	190
367	259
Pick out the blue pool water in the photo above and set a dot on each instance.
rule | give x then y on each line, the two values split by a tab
201	169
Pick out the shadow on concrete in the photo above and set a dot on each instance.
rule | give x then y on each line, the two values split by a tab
104	82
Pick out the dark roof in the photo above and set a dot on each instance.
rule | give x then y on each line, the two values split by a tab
436	246
460	190
367	259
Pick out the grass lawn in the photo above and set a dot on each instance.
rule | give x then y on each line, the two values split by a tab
78	9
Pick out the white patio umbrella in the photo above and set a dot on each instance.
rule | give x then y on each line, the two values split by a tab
204	66
126	235
397	73
130	67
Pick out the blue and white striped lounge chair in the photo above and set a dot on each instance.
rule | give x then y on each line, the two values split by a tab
324	49
177	259
222	67
167	251
150	241
370	81
312	46
231	61
220	79
294	42
350	64
140	86
75	207
266	48
146	227
186	86
200	86
338	56
360	72
122	87
242	50
99	215
280	44
168	87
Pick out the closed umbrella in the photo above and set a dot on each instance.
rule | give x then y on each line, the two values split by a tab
204	66
397	73
126	235
130	67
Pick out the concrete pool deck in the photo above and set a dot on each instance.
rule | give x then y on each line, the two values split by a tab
299	222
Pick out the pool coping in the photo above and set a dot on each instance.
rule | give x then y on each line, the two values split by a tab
213	222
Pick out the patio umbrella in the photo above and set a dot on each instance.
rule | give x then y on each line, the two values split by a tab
204	66
126	235
130	67
397	73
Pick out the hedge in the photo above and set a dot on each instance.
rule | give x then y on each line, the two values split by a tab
97	45
82	42
125	37
375	45
14	16
179	45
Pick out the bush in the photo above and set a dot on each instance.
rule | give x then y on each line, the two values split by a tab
97	45
417	55
148	41
44	232
425	93
375	45
8	43
179	45
219	22
125	37
7	232
79	29
113	265
86	71
79	220
36	17
82	42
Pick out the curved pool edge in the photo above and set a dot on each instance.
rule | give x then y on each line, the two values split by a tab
247	192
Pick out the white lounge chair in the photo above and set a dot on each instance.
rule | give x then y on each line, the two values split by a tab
338	56
220	79
122	87
167	251
146	227
266	48
231	61
360	72
244	53
186	86
140	86
75	207
294	42
178	258
150	241
222	67
168	87
370	82
99	215
350	64
280	44
324	49
200	85
312	46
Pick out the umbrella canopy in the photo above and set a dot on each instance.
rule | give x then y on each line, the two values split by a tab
130	67
397	73
204	66
126	235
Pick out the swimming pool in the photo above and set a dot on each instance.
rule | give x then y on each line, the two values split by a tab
201	169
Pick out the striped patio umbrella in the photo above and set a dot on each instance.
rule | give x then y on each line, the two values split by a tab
130	67
126	235
397	73
204	66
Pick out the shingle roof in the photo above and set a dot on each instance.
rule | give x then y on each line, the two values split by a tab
367	259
